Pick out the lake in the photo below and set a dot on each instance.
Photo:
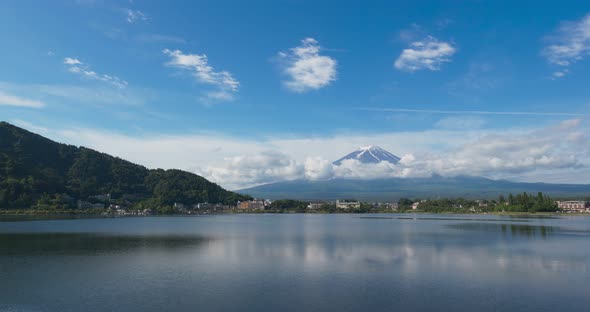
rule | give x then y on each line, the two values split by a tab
296	262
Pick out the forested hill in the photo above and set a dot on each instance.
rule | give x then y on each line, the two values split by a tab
34	168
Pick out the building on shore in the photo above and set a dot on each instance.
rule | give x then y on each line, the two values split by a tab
348	204
202	206
244	205
482	203
256	204
392	206
573	206
315	205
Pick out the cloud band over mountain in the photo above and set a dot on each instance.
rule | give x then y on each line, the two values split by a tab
235	163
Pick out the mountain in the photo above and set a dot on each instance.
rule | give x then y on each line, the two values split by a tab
395	188
370	154
34	169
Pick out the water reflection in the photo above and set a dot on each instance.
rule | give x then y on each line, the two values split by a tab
454	219
515	230
90	243
294	263
45	217
411	253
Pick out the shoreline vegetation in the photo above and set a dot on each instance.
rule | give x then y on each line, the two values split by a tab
44	215
513	205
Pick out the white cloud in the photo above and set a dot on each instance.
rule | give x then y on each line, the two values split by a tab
570	43
267	167
540	154
77	67
560	73
13	100
71	61
134	16
352	168
317	168
501	155
64	94
261	168
199	66
506	155
426	54
496	155
306	68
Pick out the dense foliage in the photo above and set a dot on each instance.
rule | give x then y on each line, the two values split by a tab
291	205
37	172
527	202
524	202
288	204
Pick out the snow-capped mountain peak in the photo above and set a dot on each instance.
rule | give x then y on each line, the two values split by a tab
370	154
367	147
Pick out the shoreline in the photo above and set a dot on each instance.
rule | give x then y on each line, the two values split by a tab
65	213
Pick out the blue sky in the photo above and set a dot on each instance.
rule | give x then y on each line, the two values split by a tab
272	86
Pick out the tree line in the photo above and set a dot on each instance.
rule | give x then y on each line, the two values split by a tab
36	172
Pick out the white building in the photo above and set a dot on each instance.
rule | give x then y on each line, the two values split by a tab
315	205
392	206
347	204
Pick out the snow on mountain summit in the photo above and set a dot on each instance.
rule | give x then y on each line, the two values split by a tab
370	154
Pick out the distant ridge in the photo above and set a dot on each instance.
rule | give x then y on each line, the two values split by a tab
394	188
370	154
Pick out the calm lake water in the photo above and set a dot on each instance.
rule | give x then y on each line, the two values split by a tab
296	263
